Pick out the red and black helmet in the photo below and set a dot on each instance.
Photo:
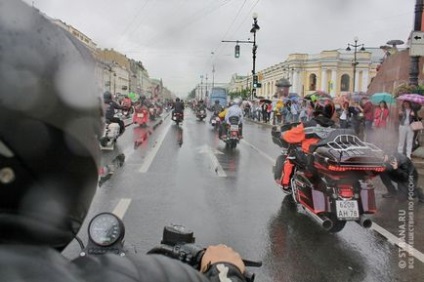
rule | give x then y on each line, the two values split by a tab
324	107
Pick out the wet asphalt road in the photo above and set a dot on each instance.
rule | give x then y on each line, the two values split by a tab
185	175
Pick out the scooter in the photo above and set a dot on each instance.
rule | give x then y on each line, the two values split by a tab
109	137
141	116
216	123
201	114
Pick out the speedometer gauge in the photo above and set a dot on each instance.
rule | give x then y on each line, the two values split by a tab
106	229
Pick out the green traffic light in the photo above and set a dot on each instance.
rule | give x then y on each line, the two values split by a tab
237	51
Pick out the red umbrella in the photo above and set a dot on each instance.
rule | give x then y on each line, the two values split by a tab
414	98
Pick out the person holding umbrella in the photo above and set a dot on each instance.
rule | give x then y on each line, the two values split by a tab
407	115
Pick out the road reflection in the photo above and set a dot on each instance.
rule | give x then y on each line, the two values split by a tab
140	135
106	172
299	250
179	133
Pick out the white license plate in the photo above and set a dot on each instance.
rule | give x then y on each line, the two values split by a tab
347	210
234	127
140	115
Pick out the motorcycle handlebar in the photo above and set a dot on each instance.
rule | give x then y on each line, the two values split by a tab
192	254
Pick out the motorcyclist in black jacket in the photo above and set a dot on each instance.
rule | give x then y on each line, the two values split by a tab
49	159
111	106
178	107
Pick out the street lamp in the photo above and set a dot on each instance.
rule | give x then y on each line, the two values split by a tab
255	27
355	62
213	70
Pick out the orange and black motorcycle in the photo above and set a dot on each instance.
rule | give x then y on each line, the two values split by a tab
331	184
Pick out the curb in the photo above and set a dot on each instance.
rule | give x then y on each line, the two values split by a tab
258	122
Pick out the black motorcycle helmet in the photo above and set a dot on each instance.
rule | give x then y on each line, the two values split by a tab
107	96
177	100
50	118
324	107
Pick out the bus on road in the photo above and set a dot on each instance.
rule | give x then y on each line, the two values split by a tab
217	93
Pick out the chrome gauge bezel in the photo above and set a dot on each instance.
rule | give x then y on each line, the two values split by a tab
110	223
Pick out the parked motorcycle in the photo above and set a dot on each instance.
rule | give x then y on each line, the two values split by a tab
331	185
109	137
201	114
141	116
232	137
178	117
106	236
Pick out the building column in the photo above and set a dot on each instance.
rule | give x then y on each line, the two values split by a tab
365	80
333	82
324	80
295	83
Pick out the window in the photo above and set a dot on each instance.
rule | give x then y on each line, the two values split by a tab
313	82
345	83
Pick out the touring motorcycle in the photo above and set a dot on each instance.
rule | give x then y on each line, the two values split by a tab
332	183
106	233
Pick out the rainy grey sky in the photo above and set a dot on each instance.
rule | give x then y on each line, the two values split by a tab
180	40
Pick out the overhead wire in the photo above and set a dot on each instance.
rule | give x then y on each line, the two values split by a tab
133	25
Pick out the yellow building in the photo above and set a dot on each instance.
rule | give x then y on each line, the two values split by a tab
328	71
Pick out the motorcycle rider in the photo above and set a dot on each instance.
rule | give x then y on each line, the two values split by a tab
201	106
401	170
46	188
323	112
178	107
111	106
216	109
234	111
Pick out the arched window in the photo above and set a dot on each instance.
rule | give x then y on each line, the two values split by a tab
312	82
345	83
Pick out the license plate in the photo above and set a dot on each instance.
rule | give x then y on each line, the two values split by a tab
140	115
347	210
234	127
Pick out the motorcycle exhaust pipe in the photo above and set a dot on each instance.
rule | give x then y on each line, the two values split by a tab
365	222
322	220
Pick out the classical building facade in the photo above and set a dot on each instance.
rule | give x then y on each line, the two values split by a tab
328	71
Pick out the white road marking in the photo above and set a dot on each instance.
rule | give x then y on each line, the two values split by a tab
377	228
121	208
151	156
216	166
398	242
259	151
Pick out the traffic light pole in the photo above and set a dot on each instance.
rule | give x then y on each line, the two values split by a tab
255	28
237	55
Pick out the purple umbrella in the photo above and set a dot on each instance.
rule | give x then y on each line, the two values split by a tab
414	98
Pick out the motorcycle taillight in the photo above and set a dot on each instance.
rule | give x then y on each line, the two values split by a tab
346	191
